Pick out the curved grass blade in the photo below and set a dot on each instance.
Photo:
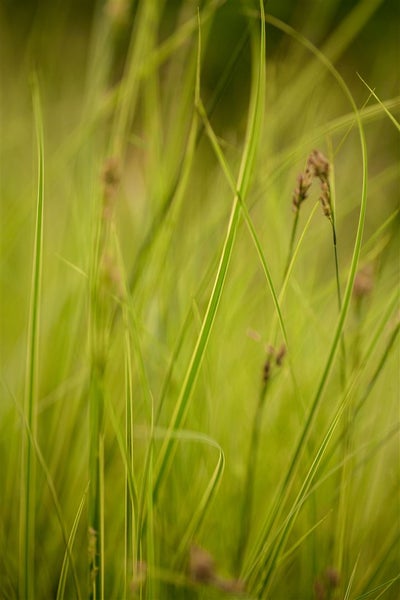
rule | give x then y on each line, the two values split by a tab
247	163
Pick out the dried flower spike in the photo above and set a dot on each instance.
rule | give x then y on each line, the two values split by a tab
318	164
274	357
326	584
304	181
110	176
325	199
201	565
332	578
280	355
267	370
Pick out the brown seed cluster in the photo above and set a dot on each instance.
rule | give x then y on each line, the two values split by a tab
92	551
317	167
363	283
274	358
304	181
202	570
110	178
139	577
326	584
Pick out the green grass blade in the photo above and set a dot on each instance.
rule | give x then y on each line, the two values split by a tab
209	493
247	163
301	444
68	552
383	588
68	540
387	111
276	544
28	472
351	580
128	92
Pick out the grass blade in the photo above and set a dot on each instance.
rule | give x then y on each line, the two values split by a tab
28	472
302	442
247	163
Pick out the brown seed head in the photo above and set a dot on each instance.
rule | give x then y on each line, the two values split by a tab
363	283
118	12
280	355
231	586
325	198
318	165
332	578
304	181
319	590
201	565
267	370
110	178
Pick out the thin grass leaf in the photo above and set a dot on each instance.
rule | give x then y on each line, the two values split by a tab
333	49
296	151
130	500
382	589
387	111
128	92
28	466
57	506
286	555
248	157
276	544
209	493
351	580
289	477
68	552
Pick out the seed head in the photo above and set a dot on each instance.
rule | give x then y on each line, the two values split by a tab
363	283
118	12
110	177
318	165
332	577
304	181
267	370
326	584
201	565
280	355
325	198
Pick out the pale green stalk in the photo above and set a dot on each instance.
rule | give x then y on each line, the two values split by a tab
130	548
28	463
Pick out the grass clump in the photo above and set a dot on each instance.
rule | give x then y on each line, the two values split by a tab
200	385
